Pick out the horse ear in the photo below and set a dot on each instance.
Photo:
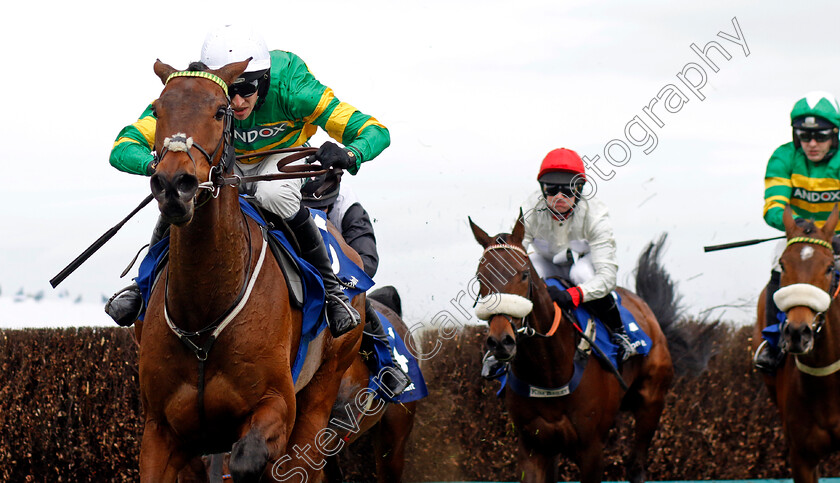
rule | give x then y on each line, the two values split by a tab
163	71
787	220
831	223
230	72
518	230
480	235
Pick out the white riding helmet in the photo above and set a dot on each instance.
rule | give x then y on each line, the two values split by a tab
230	43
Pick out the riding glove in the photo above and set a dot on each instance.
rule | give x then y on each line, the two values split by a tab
568	299
332	156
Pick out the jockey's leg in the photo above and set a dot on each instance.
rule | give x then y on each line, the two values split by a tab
127	304
768	357
282	197
606	309
341	316
397	379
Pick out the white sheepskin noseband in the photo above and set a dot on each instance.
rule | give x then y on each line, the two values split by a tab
802	294
503	303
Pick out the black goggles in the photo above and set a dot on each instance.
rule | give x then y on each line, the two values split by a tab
243	88
552	189
806	135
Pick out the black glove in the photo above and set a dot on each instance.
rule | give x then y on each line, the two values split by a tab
562	298
332	156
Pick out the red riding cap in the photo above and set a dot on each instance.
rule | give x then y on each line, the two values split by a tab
561	166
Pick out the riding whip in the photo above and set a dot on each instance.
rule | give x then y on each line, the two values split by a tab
96	245
745	243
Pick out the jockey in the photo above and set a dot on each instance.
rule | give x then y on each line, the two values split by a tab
345	212
570	238
277	103
804	173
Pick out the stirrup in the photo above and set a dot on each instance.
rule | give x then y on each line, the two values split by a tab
398	381
124	313
765	361
623	341
339	330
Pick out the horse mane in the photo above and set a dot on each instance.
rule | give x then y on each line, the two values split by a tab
691	343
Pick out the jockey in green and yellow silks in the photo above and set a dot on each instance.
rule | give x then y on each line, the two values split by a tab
805	174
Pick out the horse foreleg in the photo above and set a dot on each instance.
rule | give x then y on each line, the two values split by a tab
391	437
262	439
590	460
804	467
311	442
160	461
536	466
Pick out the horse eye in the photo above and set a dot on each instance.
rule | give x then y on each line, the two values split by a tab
220	114
781	266
525	275
830	269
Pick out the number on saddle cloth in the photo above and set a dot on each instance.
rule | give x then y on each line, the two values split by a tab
638	338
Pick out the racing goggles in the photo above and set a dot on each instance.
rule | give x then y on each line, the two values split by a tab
243	88
552	189
806	135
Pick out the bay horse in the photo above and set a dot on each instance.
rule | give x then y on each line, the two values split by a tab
575	424
389	424
203	389
806	386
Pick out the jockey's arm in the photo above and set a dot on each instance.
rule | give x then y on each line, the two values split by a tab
599	234
132	150
778	186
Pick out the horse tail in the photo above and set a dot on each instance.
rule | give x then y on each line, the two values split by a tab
389	297
691	343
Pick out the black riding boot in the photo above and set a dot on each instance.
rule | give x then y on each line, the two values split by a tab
768	357
127	304
606	309
397	379
342	317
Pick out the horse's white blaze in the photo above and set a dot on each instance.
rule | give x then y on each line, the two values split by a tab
503	303
806	253
802	295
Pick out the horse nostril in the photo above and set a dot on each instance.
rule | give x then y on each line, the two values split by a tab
491	343
186	184
158	184
509	341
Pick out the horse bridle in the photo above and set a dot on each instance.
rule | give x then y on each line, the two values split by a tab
818	322
525	329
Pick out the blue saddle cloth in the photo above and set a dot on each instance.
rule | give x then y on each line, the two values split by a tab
641	341
354	279
395	353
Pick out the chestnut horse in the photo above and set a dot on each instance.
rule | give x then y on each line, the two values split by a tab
806	386
542	352
203	389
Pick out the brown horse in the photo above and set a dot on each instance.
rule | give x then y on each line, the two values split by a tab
806	387
541	352
353	415
219	335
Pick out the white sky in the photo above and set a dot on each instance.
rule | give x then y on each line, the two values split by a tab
475	93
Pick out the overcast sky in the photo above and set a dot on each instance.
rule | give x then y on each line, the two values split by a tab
475	93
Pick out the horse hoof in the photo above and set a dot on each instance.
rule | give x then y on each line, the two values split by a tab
248	458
